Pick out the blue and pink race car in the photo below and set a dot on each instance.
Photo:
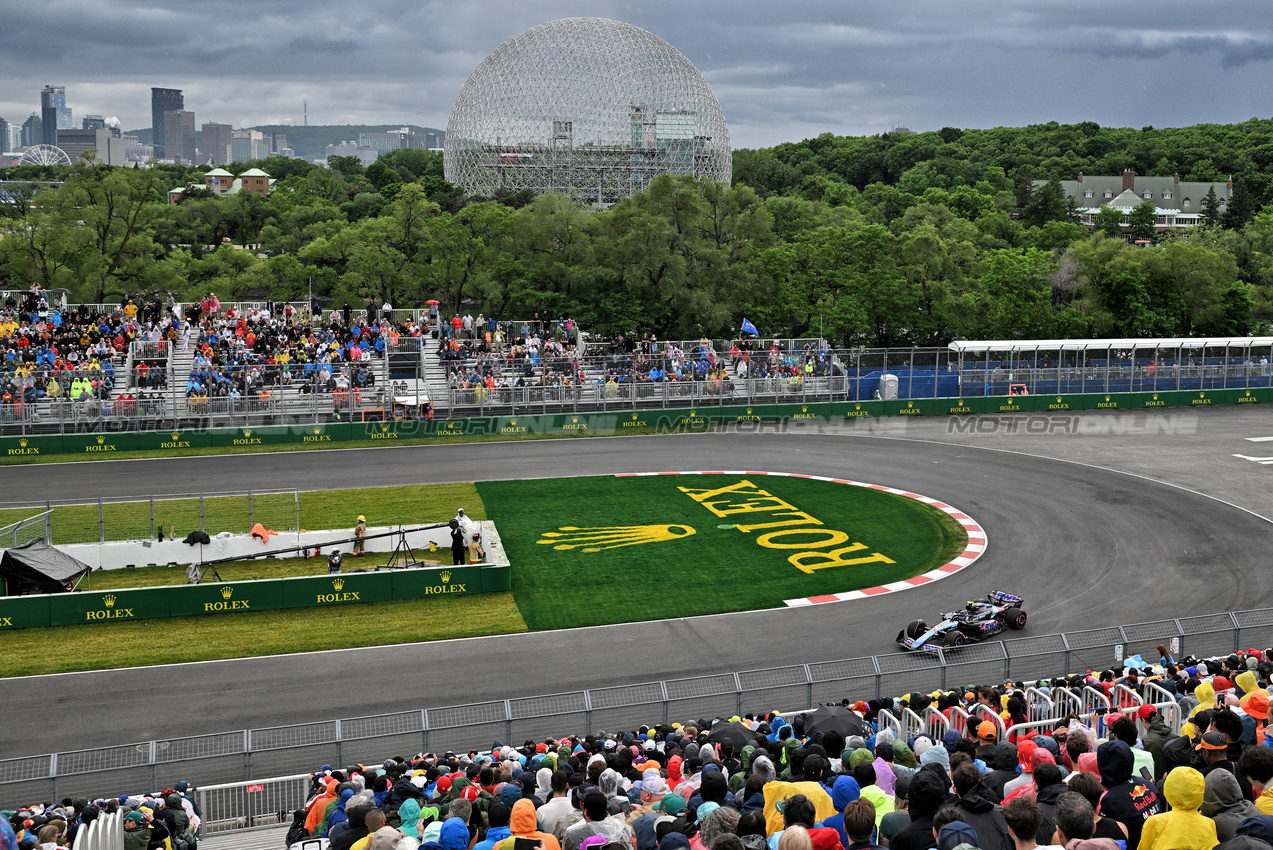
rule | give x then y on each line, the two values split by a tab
977	621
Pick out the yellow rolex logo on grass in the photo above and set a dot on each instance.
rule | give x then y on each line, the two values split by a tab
23	442
600	538
227	592
338	583
100	439
175	434
109	600
445	575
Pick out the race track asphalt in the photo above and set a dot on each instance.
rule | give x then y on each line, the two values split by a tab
1086	546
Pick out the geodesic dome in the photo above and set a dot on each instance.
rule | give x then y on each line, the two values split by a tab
587	107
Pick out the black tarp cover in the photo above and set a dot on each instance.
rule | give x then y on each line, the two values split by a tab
36	567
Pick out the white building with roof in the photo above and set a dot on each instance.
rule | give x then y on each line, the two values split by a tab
1179	203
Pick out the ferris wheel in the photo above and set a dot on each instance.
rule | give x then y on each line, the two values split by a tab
44	155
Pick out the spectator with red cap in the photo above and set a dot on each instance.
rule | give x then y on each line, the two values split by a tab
1155	733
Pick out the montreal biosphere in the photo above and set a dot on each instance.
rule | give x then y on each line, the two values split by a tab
590	108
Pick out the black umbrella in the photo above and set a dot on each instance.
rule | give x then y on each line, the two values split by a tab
836	718
735	734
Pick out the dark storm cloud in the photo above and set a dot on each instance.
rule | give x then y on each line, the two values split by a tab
782	71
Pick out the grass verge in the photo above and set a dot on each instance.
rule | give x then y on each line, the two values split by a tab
719	567
97	647
352	444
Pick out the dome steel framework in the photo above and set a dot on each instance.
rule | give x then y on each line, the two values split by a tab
586	107
44	155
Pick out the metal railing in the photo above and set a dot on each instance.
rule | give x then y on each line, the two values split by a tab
240	756
254	804
67	521
17	533
105	833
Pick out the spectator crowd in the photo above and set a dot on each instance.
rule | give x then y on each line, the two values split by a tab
52	352
838	778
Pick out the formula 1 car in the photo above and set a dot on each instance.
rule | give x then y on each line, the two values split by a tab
977	621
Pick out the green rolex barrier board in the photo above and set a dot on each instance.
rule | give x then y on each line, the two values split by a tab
858	409
1106	401
219	598
1058	403
1011	403
339	589
389	432
443	581
23	612
108	606
172	441
259	436
1259	395
31	447
497	579
99	444
323	432
1152	400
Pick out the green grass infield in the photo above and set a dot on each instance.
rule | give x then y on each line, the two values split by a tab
596	550
585	551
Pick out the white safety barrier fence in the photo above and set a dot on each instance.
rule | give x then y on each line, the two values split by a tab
105	833
256	804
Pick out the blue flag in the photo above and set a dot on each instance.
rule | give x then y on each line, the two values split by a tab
749	328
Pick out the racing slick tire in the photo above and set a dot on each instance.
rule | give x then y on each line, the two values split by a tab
1015	618
916	629
955	641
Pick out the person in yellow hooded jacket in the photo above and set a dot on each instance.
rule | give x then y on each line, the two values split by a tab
1184	827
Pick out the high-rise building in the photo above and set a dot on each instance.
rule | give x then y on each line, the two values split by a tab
279	144
109	149
216	143
54	113
179	136
6	137
245	144
93	122
32	131
161	101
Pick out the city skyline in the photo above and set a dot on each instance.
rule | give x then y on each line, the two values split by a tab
780	73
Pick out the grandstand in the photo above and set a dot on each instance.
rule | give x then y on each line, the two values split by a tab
152	366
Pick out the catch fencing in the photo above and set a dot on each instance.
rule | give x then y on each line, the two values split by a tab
243	755
67	521
17	533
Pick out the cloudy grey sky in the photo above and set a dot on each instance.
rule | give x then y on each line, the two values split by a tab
782	71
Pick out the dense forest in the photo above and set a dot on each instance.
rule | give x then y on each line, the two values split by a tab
891	240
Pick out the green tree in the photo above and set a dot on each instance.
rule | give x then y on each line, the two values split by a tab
1015	295
1047	203
1142	219
1241	208
1108	221
350	166
1211	208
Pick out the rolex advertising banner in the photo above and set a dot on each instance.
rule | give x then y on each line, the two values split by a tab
436	583
340	589
23	612
108	606
220	598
